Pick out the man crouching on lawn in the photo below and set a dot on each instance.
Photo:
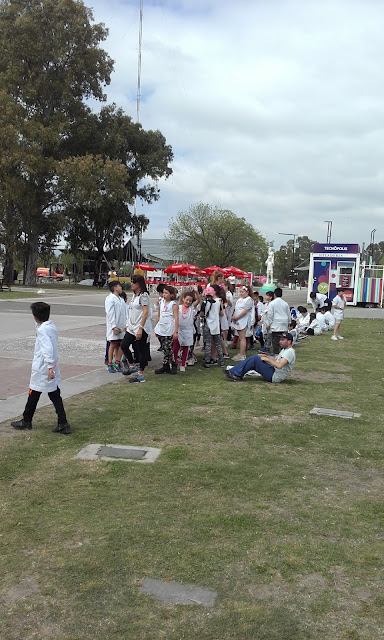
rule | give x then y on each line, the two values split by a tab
271	368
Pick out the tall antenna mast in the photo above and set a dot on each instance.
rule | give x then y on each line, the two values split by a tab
139	63
138	97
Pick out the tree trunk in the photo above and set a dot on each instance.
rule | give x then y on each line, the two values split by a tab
8	269
30	275
98	261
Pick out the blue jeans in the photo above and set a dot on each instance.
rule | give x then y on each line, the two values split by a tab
254	363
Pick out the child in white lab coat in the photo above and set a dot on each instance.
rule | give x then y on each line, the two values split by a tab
45	374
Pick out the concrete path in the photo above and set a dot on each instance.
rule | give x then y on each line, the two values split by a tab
81	327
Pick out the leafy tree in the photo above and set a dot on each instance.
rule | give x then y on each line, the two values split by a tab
208	235
289	256
49	61
124	162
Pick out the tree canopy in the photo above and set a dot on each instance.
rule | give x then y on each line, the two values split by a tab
64	168
207	235
289	256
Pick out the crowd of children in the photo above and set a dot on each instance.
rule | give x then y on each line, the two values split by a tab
210	313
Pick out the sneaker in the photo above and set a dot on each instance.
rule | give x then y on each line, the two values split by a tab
206	365
117	368
213	361
182	368
111	368
340	337
129	370
190	362
20	425
333	337
231	376
229	367
64	428
137	378
238	358
226	356
253	373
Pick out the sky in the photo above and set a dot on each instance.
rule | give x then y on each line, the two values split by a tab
274	109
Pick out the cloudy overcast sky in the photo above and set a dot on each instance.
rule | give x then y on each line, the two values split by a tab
274	108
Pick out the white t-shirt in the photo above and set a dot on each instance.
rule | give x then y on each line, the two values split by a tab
338	301
136	314
319	301
321	320
290	355
316	327
186	327
241	305
329	319
212	316
166	324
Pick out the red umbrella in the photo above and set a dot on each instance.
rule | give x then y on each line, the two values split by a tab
188	271
144	266
210	270
239	273
174	268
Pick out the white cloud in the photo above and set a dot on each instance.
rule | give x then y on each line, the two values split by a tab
273	108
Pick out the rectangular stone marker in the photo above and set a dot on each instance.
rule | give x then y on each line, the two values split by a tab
178	593
333	412
115	452
109	452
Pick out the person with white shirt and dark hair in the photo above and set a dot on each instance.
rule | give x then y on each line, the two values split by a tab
338	306
319	300
278	318
328	318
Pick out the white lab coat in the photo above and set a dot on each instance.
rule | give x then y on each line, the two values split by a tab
116	316
45	357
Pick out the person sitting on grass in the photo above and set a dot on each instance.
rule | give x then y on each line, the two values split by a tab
45	374
271	368
314	328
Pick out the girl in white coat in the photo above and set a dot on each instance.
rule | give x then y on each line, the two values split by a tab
45	374
241	319
187	312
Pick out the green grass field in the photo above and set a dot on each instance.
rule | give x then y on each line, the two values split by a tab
277	510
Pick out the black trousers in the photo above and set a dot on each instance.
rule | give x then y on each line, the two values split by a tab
276	341
55	398
140	347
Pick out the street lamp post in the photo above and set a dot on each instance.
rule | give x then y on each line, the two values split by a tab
329	230
293	249
372	242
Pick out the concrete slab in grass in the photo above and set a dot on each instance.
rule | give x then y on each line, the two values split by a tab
176	593
335	413
112	452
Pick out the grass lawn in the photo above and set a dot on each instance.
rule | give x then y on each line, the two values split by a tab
277	510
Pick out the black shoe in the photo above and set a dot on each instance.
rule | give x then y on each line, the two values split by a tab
62	428
213	361
163	369
206	365
173	370
231	376
21	425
